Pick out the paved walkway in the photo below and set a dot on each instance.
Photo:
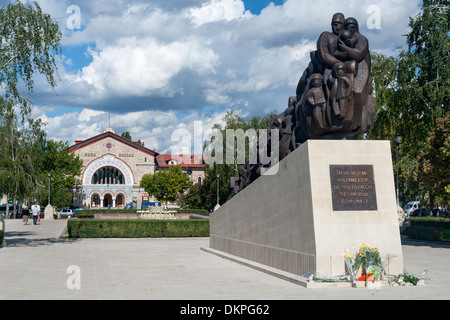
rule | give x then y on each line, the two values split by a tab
37	264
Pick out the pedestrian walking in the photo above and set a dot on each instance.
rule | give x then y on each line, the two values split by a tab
25	213
36	210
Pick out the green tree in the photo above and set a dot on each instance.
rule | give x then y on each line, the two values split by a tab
14	169
195	198
29	39
166	184
413	91
227	170
204	196
28	158
434	163
19	178
64	168
127	135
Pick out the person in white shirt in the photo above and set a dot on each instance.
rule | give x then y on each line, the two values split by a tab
35	210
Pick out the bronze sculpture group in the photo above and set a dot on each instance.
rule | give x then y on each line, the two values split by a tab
333	98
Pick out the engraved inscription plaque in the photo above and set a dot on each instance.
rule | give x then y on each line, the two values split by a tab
353	188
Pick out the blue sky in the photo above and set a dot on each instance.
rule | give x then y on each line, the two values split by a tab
154	66
78	57
255	6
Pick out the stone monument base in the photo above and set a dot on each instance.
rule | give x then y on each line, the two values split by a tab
48	212
323	200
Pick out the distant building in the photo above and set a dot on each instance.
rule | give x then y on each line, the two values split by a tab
113	167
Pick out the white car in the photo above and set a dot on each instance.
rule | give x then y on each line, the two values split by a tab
414	208
66	213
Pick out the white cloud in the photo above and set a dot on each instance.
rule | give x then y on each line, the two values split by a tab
87	114
141	50
153	59
138	67
154	128
274	67
219	10
72	126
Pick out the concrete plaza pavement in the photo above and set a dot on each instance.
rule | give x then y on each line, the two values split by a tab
37	264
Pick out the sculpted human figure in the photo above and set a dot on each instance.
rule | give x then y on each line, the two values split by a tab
316	95
333	97
349	40
324	56
340	93
360	51
327	43
316	98
347	37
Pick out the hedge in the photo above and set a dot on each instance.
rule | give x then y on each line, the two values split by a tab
193	211
89	228
429	228
426	233
109	210
89	213
431	222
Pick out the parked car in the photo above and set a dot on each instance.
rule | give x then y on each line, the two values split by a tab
66	213
414	208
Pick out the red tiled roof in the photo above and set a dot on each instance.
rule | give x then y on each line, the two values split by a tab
186	161
191	161
79	144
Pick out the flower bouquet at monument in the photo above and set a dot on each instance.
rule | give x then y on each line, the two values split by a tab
350	264
369	259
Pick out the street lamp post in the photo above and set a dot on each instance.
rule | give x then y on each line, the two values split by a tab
49	174
218	189
398	139
48	209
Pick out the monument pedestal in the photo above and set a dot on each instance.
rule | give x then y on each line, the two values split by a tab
48	212
325	199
